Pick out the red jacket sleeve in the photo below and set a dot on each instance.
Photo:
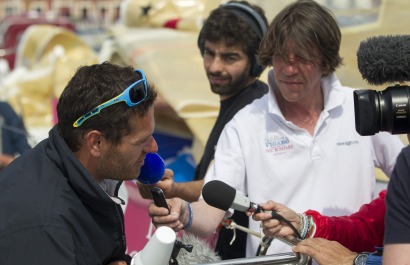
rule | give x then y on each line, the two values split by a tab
361	231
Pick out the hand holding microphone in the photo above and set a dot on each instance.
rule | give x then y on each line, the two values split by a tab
274	227
150	173
222	196
153	172
170	217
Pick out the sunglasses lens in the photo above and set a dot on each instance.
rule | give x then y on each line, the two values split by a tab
138	92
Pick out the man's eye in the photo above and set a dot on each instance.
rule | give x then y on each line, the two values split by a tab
208	52
278	57
231	59
305	61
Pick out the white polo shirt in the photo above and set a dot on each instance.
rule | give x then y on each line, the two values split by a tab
264	156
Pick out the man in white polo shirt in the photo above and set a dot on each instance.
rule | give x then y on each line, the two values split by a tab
296	145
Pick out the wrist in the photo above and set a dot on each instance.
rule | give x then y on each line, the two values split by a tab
172	191
361	258
299	224
188	215
312	227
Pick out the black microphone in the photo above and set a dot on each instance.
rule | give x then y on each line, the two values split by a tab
385	59
222	196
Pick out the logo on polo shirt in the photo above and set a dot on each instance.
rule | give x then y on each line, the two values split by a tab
277	144
347	143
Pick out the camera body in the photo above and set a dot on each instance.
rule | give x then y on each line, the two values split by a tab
386	110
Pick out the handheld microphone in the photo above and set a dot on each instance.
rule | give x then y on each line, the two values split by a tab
158	249
222	196
385	59
153	169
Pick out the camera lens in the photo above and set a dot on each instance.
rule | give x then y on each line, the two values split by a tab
386	110
366	110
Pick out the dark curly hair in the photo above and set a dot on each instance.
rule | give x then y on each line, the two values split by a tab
88	88
223	24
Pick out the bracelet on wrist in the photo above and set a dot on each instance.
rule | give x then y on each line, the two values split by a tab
191	215
304	225
301	222
312	227
307	226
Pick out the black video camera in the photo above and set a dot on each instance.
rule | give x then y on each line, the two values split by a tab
386	110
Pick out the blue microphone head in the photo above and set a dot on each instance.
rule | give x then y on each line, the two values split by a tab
152	170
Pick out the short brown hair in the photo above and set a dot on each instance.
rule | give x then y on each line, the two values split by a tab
89	87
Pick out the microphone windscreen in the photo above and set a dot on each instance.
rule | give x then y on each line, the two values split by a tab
153	169
218	194
385	59
201	253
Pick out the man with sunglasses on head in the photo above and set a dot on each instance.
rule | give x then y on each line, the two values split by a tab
228	42
55	201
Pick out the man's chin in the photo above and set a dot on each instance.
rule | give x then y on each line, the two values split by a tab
131	177
220	90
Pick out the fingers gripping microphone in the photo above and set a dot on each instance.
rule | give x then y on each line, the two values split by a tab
222	196
158	249
153	169
385	59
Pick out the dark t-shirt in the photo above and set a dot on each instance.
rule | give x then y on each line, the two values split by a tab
228	109
397	220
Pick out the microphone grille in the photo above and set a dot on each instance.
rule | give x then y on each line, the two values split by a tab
384	59
218	194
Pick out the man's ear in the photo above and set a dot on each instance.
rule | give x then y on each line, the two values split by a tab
93	141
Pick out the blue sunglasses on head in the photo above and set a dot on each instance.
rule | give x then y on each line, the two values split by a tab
132	95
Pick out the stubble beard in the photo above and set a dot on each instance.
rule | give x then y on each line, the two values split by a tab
233	87
111	167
